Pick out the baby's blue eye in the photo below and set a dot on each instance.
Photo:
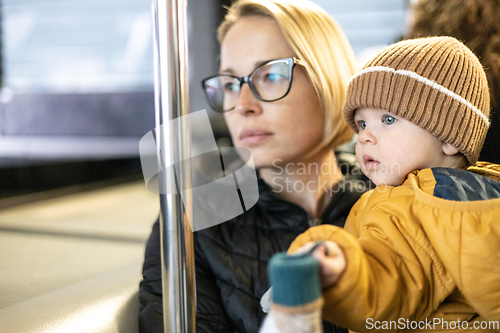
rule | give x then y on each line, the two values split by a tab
361	124
388	120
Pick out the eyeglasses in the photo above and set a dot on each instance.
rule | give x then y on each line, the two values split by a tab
269	82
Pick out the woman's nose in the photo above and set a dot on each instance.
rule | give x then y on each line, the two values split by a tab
247	104
366	135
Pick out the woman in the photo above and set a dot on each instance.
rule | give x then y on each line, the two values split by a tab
284	69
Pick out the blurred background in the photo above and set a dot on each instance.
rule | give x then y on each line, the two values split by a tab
77	82
76	96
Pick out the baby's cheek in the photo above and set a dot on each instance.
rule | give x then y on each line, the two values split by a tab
359	154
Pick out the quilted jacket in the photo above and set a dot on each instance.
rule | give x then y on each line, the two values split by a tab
424	252
231	261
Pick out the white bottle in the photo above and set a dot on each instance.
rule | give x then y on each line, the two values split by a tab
296	295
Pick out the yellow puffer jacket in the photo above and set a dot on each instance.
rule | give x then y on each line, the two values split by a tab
422	256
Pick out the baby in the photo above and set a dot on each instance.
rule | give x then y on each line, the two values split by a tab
422	250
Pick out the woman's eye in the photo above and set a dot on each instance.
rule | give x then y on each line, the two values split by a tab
361	124
388	120
273	77
229	87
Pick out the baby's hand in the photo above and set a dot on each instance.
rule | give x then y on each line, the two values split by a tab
331	266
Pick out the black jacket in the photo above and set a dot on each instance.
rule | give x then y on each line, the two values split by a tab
231	261
491	149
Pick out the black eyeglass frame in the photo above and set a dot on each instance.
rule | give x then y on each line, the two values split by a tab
247	79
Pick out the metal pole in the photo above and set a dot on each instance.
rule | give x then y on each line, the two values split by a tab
171	102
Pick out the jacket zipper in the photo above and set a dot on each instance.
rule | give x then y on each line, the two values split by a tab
333	201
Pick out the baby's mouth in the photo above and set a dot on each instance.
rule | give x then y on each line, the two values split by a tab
370	162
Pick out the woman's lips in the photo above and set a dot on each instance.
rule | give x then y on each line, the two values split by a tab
254	136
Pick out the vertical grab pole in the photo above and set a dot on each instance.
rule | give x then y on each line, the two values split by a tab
173	141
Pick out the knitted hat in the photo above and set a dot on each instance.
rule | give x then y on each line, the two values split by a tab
436	83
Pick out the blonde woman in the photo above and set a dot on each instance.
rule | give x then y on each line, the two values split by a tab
284	69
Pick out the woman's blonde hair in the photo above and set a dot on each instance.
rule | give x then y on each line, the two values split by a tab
322	46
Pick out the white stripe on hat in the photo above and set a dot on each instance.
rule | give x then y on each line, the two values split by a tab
426	81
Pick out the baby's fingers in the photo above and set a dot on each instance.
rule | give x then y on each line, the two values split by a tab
331	266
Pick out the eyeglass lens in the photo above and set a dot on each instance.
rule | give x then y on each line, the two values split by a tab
268	83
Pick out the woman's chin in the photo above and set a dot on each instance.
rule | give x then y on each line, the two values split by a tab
263	161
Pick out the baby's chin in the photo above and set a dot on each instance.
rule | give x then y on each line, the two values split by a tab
387	182
383	177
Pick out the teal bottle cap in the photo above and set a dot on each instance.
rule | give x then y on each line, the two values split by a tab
294	279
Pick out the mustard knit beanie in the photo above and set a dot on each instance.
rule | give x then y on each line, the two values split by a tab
436	83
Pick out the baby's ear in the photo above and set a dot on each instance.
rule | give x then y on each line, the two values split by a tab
449	150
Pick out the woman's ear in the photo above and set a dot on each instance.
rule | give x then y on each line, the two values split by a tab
449	150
